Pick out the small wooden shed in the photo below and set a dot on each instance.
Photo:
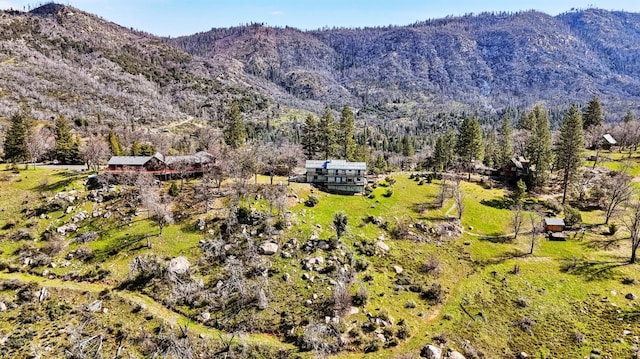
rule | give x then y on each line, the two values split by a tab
554	224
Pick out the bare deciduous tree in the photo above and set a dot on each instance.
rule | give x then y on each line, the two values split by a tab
94	151
517	219
159	209
632	222
458	198
39	142
616	190
534	218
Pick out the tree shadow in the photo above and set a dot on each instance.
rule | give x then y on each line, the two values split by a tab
69	178
591	269
604	244
118	245
498	203
513	254
497	238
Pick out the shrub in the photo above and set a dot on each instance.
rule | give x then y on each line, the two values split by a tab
312	201
526	324
431	266
390	180
361	265
572	216
174	191
361	296
433	294
612	229
410	304
388	193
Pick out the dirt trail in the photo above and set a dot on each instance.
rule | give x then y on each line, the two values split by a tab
156	309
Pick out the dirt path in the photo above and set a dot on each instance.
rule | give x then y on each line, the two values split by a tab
156	309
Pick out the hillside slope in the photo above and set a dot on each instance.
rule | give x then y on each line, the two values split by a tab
489	61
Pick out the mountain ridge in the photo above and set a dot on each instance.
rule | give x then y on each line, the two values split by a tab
59	59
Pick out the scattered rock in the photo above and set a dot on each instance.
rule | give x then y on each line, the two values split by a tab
205	316
80	217
285	255
319	226
178	265
455	355
43	294
269	248
431	352
523	355
354	310
95	306
201	224
397	269
3	307
305	276
626	332
87	237
108	215
383	246
631	296
286	277
69	209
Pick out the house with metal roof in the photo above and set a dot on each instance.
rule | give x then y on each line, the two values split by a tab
337	176
608	142
161	166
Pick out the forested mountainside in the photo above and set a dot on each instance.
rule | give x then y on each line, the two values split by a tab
484	62
59	60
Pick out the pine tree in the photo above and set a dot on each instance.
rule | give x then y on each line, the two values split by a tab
505	141
346	134
67	146
235	134
15	138
327	134
570	147
469	143
310	139
593	115
444	151
491	149
628	117
539	147
527	121
114	144
407	146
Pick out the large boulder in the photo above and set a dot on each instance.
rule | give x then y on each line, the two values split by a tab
268	248
455	355
383	246
178	265
431	352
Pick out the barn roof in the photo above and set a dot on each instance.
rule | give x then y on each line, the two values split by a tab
610	140
554	221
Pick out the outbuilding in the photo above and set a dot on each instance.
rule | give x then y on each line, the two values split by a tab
554	224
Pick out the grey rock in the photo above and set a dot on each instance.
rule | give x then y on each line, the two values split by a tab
95	306
397	269
455	355
201	224
431	352
43	294
383	246
268	248
178	265
631	296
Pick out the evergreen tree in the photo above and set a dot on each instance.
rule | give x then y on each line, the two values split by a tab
593	115
469	143
135	148
628	117
539	147
407	146
505	141
15	138
114	144
67	146
310	137
327	134
527	121
380	165
346	135
235	134
444	151
570	147
491	149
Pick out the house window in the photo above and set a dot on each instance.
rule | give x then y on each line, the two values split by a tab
315	178
338	179
318	170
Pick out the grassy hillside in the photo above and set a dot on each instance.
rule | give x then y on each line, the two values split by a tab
399	278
